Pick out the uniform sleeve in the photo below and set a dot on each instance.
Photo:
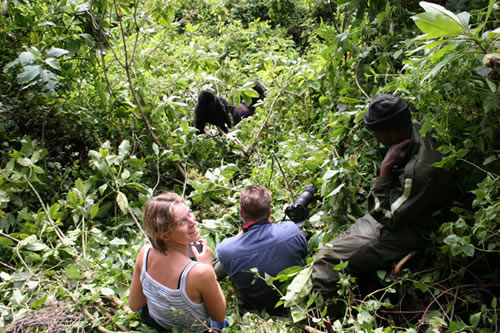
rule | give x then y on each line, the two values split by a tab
394	202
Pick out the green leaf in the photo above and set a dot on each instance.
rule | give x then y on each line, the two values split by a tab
118	242
300	286
4	276
26	58
74	272
137	162
94	210
54	209
474	319
441	64
17	297
56	52
53	62
29	74
107	291
124	149
438	21
36	246
122	201
38	303
468	250
491	85
25	216
125	174
103	188
6	242
24	161
297	314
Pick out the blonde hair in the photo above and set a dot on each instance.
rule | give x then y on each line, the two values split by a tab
159	217
255	203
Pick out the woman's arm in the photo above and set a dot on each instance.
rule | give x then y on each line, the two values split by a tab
211	292
207	285
136	299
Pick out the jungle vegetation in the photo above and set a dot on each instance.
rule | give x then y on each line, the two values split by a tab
96	116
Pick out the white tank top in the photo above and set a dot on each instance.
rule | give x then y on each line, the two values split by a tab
172	307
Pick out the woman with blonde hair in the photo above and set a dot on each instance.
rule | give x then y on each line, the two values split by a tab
170	289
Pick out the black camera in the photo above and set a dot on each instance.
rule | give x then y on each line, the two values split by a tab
298	211
197	245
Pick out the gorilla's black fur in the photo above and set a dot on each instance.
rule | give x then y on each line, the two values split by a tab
215	110
244	110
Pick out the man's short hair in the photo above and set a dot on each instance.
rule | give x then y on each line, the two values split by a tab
255	202
387	112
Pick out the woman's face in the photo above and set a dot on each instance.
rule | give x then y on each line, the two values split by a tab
185	230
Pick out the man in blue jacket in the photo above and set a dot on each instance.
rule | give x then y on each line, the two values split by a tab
269	247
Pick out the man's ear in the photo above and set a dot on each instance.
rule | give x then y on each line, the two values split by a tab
241	213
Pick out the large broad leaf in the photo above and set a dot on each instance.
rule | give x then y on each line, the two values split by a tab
50	79
437	21
29	74
53	62
26	58
124	149
299	287
56	52
122	201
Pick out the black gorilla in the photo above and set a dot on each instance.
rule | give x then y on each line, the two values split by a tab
244	110
215	110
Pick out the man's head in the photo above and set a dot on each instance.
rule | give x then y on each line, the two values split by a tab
255	203
388	117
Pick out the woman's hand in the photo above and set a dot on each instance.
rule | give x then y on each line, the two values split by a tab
206	254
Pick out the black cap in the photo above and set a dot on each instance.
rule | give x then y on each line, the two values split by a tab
386	112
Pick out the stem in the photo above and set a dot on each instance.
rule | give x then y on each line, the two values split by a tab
491	174
136	222
357	80
284	177
84	238
9	237
58	232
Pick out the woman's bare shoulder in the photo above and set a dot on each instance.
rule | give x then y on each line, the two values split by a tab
202	272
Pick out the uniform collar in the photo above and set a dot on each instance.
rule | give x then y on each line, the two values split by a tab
247	226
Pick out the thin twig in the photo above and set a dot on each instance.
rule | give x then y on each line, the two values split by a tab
264	124
357	81
284	177
9	237
310	329
135	220
84	238
491	174
58	232
8	266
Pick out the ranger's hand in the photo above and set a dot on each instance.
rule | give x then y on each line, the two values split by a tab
396	154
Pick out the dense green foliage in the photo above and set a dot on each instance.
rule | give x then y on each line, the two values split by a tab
96	112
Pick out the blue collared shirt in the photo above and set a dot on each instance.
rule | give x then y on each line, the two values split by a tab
268	247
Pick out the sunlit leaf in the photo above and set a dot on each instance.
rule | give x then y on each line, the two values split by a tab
122	201
27	58
29	74
438	21
56	52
